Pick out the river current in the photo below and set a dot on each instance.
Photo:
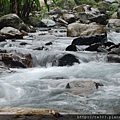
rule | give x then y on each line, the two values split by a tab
44	86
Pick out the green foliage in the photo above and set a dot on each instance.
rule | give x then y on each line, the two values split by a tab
65	4
20	7
112	10
90	2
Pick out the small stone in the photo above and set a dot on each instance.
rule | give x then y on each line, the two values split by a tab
68	86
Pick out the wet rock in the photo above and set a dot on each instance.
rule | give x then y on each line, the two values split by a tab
114	24
88	40
67	60
69	18
68	86
71	48
78	29
12	20
114	49
98	84
101	19
39	48
2	38
17	60
47	23
113	58
23	43
10	33
86	12
3	51
83	87
49	43
108	44
93	47
118	13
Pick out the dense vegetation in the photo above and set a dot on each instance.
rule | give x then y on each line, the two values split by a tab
24	7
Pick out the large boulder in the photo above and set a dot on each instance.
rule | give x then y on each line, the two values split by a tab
12	20
78	29
10	33
88	40
17	59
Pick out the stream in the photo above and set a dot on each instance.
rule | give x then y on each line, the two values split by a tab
44	86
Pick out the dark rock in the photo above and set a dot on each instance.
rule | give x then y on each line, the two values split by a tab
88	40
71	48
39	48
2	38
108	44
67	59
8	60
115	51
49	43
118	12
23	43
68	86
3	51
96	47
101	19
102	10
93	47
16	59
69	18
113	58
98	84
114	47
102	49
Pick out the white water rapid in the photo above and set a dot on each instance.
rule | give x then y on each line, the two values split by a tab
44	86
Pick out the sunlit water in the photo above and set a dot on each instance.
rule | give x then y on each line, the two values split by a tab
37	87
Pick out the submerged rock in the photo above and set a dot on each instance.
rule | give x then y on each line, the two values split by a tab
88	40
83	87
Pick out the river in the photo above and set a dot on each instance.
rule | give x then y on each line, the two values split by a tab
44	86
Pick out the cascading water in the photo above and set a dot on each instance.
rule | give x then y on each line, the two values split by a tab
44	86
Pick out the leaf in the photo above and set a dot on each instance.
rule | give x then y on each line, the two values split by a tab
23	2
54	1
38	3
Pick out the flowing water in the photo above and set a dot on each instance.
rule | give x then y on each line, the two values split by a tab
44	86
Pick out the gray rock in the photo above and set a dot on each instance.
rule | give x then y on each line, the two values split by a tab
12	20
47	23
78	29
